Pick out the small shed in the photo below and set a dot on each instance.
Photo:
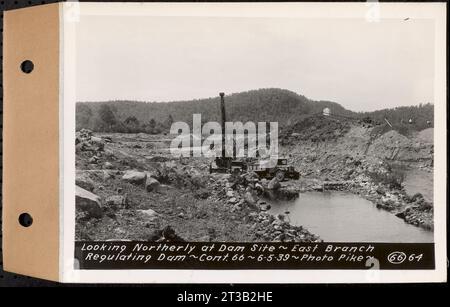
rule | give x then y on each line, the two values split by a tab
326	112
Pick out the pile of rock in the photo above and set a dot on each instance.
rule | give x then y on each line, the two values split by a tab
116	202
87	204
314	128
86	178
248	191
413	210
388	201
418	212
167	234
145	179
83	134
285	193
85	141
243	192
276	229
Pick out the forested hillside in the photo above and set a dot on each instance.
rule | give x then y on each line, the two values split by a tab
404	118
283	106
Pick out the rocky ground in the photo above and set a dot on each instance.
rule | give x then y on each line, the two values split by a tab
129	188
371	161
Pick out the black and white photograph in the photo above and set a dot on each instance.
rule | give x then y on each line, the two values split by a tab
245	131
353	102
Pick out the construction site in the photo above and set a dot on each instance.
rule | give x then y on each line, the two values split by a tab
129	187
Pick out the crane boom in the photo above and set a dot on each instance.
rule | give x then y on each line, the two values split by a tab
224	119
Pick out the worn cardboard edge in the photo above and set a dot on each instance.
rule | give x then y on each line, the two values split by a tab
31	141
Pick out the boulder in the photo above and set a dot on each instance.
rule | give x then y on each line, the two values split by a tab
259	188
107	139
232	200
83	180
401	215
157	158
84	133
95	139
155	235
198	180
274	184
251	176
286	193
169	235
264	207
154	174
163	174
202	193
116	201
97	143
134	177
418	197
149	213
249	199
151	184
236	207
278	222
205	238
380	190
278	227
88	203
230	193
93	160
107	175
108	165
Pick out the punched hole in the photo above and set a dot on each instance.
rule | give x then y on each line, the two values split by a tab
27	66
25	220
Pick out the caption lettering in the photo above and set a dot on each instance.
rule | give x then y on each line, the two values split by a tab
216	255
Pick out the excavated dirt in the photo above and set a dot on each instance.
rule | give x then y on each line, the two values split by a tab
145	194
184	202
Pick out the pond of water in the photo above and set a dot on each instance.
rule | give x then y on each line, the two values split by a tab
346	217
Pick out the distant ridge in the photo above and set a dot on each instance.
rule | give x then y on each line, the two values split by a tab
268	104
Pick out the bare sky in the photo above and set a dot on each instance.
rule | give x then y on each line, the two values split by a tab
361	65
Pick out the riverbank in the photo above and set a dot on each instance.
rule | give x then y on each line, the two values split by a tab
414	210
340	216
374	165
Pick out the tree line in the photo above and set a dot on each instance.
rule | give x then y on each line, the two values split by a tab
403	119
105	119
270	104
